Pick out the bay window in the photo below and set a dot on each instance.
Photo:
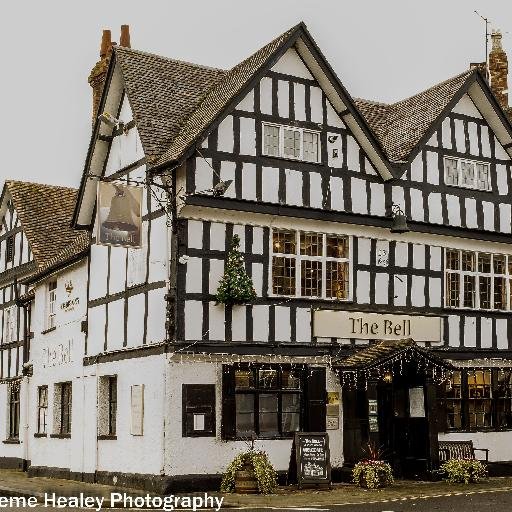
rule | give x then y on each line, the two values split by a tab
477	280
308	264
291	142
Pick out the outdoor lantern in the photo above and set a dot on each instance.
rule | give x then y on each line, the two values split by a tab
399	220
388	377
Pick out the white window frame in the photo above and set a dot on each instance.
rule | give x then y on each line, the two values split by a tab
302	257
51	303
281	154
10	324
460	161
476	274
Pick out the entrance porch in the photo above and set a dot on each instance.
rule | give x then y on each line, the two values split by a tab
389	405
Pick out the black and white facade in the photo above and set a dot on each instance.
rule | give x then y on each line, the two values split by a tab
167	385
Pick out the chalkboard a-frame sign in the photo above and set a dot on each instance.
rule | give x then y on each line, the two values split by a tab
313	460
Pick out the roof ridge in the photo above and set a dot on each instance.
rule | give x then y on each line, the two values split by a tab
20	182
468	72
163	57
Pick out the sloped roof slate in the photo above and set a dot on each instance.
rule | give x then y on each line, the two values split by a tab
162	93
400	126
45	213
384	350
219	96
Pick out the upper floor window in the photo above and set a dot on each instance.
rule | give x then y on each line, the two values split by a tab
477	280
51	300
9	248
291	142
10	324
467	173
310	264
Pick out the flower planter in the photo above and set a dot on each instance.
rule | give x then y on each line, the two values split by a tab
245	480
372	474
382	481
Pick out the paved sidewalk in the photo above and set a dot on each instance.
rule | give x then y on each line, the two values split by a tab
15	483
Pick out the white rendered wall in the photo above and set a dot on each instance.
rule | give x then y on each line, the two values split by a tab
57	357
498	443
211	455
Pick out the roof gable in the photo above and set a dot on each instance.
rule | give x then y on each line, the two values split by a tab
45	214
162	93
240	79
403	126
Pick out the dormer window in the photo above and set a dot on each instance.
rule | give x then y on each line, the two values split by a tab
459	172
291	142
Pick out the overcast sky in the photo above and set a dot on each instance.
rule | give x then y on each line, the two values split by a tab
382	50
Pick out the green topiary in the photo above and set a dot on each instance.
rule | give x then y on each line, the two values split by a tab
265	473
236	286
464	471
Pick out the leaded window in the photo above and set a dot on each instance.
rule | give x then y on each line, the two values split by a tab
460	172
51	301
268	401
291	142
479	399
504	399
310	264
65	408
42	409
14	411
477	280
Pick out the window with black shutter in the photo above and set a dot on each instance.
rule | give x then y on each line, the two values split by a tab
315	400
198	410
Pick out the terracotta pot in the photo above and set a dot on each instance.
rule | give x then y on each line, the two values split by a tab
245	480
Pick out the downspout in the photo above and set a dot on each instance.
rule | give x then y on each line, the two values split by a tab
170	323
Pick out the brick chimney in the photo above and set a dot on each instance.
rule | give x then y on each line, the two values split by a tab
99	71
498	69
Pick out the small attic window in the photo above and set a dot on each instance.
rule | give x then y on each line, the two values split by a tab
9	248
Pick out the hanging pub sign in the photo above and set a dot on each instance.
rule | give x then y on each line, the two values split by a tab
312	459
119	214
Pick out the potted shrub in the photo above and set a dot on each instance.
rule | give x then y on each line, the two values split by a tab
250	472
464	471
372	472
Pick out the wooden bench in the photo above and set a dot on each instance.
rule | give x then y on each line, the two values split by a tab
459	450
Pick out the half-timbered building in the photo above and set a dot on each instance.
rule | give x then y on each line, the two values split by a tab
377	238
35	231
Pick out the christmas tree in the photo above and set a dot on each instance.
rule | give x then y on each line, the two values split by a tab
236	286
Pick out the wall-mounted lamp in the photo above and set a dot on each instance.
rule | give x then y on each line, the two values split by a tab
221	188
388	377
399	220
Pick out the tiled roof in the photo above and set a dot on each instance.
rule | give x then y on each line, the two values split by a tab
162	93
384	351
219	97
45	213
400	126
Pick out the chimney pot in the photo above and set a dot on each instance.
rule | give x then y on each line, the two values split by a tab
498	69
106	42
124	40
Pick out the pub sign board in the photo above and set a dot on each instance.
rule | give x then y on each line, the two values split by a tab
313	458
119	215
